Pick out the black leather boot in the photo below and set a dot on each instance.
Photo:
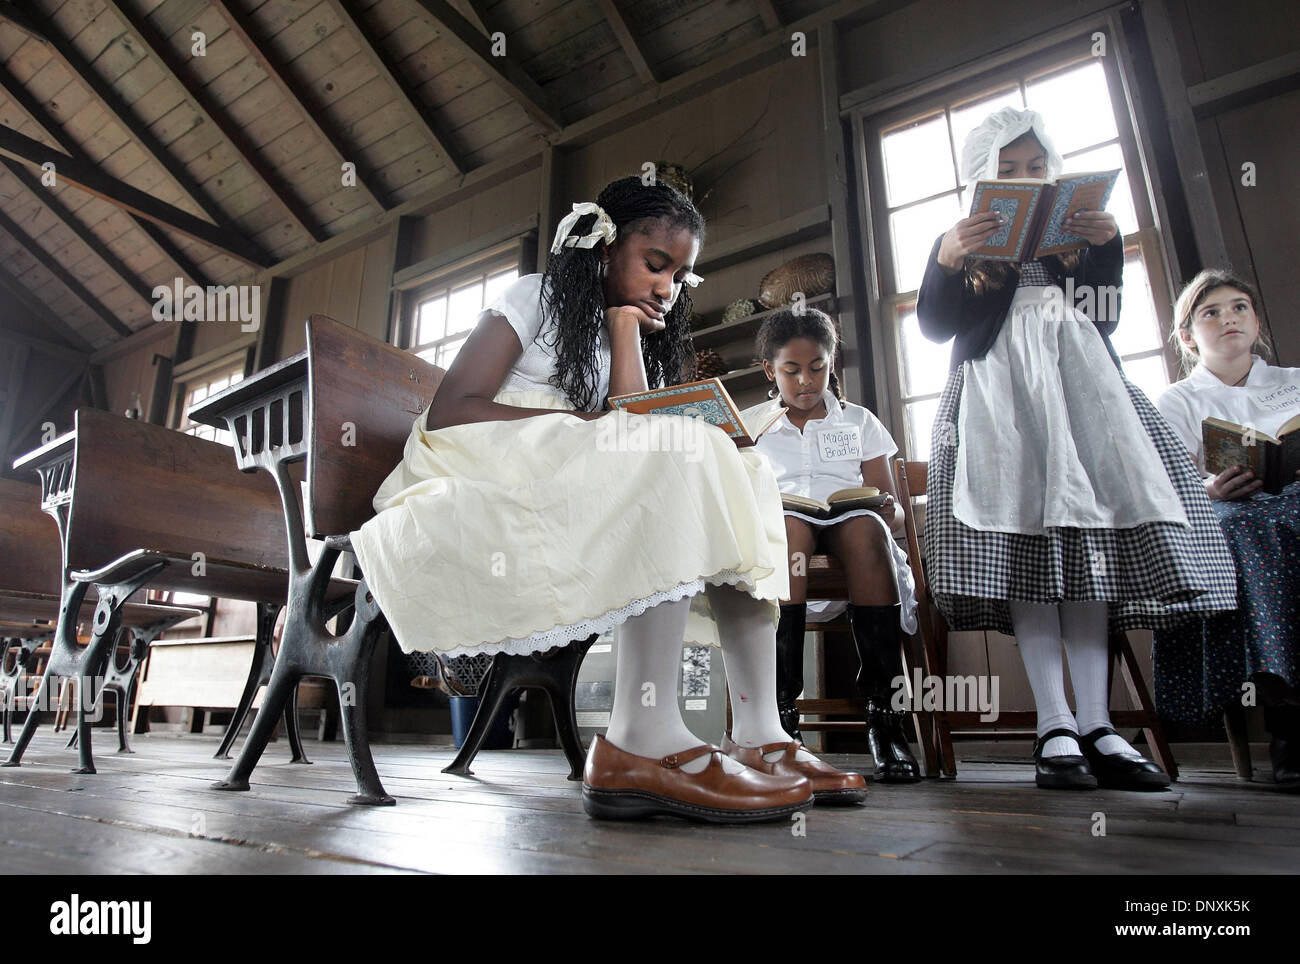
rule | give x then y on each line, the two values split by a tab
789	665
1283	723
875	635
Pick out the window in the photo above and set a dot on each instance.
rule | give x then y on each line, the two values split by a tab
202	386
443	313
914	160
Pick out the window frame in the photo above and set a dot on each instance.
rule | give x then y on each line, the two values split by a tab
517	253
949	91
205	368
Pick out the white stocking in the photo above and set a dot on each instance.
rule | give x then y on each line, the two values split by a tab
1038	634
1083	628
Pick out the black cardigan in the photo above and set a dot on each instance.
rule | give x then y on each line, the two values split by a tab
947	308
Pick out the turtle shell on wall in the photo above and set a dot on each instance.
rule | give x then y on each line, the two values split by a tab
812	274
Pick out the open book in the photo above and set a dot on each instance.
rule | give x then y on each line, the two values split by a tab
1273	459
706	399
1036	211
837	503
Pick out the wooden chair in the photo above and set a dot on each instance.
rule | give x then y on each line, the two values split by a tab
911	478
826	580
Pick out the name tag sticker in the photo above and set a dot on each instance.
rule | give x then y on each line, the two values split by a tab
1279	399
840	444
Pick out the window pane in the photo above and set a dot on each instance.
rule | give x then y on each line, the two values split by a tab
920	423
1121	198
220	385
199	394
1148	374
433	316
447	353
925	364
968	116
429	354
918	161
913	231
466	303
498	283
1138	328
237	376
1076	106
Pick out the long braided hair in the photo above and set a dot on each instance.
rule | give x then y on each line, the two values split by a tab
572	292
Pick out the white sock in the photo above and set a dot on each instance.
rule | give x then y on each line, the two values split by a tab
1087	645
1038	634
748	637
647	720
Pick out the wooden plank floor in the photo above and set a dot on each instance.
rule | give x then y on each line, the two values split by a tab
153	812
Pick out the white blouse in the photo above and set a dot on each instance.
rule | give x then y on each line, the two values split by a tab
1269	397
828	454
520	304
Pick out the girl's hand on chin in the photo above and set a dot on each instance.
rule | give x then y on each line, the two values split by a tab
625	317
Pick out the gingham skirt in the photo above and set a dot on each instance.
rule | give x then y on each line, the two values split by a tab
1152	575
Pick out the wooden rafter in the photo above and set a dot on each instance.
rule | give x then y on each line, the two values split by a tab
13	392
61	352
74	224
767	13
294	93
386	65
54	131
630	47
51	264
501	70
212	112
29	303
90	178
112	104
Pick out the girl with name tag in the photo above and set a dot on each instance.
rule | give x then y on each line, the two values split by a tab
821	445
516	522
1061	507
1203	666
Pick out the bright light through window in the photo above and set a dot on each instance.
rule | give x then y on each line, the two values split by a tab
445	316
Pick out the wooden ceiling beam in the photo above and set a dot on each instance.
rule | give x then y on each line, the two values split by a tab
387	67
61	352
89	177
767	13
31	304
630	47
113	105
211	112
313	114
501	70
55	132
66	385
51	264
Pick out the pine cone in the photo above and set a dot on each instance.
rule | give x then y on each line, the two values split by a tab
709	364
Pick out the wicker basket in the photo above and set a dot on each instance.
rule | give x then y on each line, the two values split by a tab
812	274
676	176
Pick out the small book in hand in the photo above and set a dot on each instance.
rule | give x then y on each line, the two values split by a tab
836	504
1036	211
1272	459
706	399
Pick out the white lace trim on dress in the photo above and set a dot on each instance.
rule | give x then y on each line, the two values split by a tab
563	635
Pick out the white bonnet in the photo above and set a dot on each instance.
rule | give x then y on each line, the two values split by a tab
979	157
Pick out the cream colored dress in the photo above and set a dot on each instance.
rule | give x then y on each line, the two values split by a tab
519	536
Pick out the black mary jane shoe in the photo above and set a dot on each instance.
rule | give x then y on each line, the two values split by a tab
1115	772
1061	772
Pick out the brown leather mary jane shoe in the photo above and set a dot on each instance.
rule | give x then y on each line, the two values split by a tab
617	785
830	786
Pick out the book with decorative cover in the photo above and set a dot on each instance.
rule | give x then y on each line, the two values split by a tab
706	399
1274	459
837	503
1036	212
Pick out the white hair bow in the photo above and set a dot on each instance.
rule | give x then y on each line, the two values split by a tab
603	228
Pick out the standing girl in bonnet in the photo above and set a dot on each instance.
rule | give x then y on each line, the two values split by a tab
516	523
1061	507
